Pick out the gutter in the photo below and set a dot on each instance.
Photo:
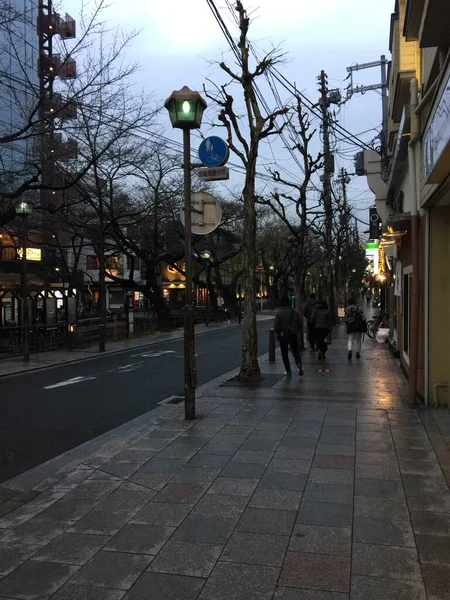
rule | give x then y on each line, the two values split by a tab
415	282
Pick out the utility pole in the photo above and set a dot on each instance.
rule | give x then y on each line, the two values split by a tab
324	103
362	89
344	180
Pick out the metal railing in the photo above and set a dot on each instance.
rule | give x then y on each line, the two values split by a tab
42	338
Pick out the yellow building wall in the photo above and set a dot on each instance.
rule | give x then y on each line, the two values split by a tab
410	57
439	301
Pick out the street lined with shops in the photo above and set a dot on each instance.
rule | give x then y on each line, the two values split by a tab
325	487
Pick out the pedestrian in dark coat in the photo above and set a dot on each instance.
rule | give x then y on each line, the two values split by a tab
287	327
356	326
323	323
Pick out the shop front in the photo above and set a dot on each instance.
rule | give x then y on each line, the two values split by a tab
436	200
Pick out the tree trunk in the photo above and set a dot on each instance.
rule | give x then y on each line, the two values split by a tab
250	371
299	305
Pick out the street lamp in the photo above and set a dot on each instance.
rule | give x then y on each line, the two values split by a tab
23	209
186	110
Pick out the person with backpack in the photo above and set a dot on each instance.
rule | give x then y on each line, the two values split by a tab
323	324
356	326
287	327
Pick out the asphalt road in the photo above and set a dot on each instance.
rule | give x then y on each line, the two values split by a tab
45	413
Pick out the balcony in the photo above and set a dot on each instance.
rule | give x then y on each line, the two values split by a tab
401	96
53	24
48	24
399	160
55	147
60	108
427	21
54	66
67	28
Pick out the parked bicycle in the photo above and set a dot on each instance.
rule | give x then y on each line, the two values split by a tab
380	321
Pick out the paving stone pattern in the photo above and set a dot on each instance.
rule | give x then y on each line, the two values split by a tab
321	488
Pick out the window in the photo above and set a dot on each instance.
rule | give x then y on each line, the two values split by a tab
113	263
92	262
131	260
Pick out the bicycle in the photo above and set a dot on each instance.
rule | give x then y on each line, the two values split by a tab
380	321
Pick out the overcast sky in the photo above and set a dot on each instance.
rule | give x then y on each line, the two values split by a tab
180	38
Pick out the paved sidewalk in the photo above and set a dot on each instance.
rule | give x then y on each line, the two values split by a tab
317	488
42	360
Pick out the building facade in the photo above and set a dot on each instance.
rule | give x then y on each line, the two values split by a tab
19	82
413	200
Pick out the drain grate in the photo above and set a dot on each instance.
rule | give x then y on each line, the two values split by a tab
6	456
176	400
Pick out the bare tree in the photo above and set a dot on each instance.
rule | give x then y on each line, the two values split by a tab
244	141
296	199
46	108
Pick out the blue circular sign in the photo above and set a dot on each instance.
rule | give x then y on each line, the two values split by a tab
213	152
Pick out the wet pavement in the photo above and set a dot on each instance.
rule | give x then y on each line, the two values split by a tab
324	487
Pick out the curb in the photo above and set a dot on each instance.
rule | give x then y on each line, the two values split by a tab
42	477
109	353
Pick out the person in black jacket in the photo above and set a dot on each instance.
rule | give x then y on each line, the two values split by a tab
356	326
321	319
287	327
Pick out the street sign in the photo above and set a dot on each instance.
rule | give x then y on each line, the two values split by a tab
213	173
206	213
213	152
260	268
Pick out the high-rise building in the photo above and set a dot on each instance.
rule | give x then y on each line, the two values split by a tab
19	83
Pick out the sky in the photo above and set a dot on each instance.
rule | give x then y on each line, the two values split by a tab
180	44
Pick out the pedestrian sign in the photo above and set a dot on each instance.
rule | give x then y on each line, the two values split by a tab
213	152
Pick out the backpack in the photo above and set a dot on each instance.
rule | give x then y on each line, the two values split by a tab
357	321
285	334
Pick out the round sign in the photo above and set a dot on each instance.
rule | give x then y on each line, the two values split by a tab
213	152
206	213
260	268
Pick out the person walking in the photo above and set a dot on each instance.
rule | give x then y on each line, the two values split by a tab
368	298
356	326
307	313
323	323
287	326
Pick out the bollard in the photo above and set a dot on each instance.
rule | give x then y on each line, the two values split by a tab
271	344
70	336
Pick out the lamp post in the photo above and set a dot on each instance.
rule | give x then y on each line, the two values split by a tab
186	110
271	290
24	209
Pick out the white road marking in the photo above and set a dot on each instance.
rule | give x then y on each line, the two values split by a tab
154	354
68	382
128	368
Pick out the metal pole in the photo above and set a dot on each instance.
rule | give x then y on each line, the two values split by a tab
384	101
24	273
190	375
328	206
101	276
271	344
261	292
240	303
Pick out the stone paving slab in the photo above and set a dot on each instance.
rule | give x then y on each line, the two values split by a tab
288	493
